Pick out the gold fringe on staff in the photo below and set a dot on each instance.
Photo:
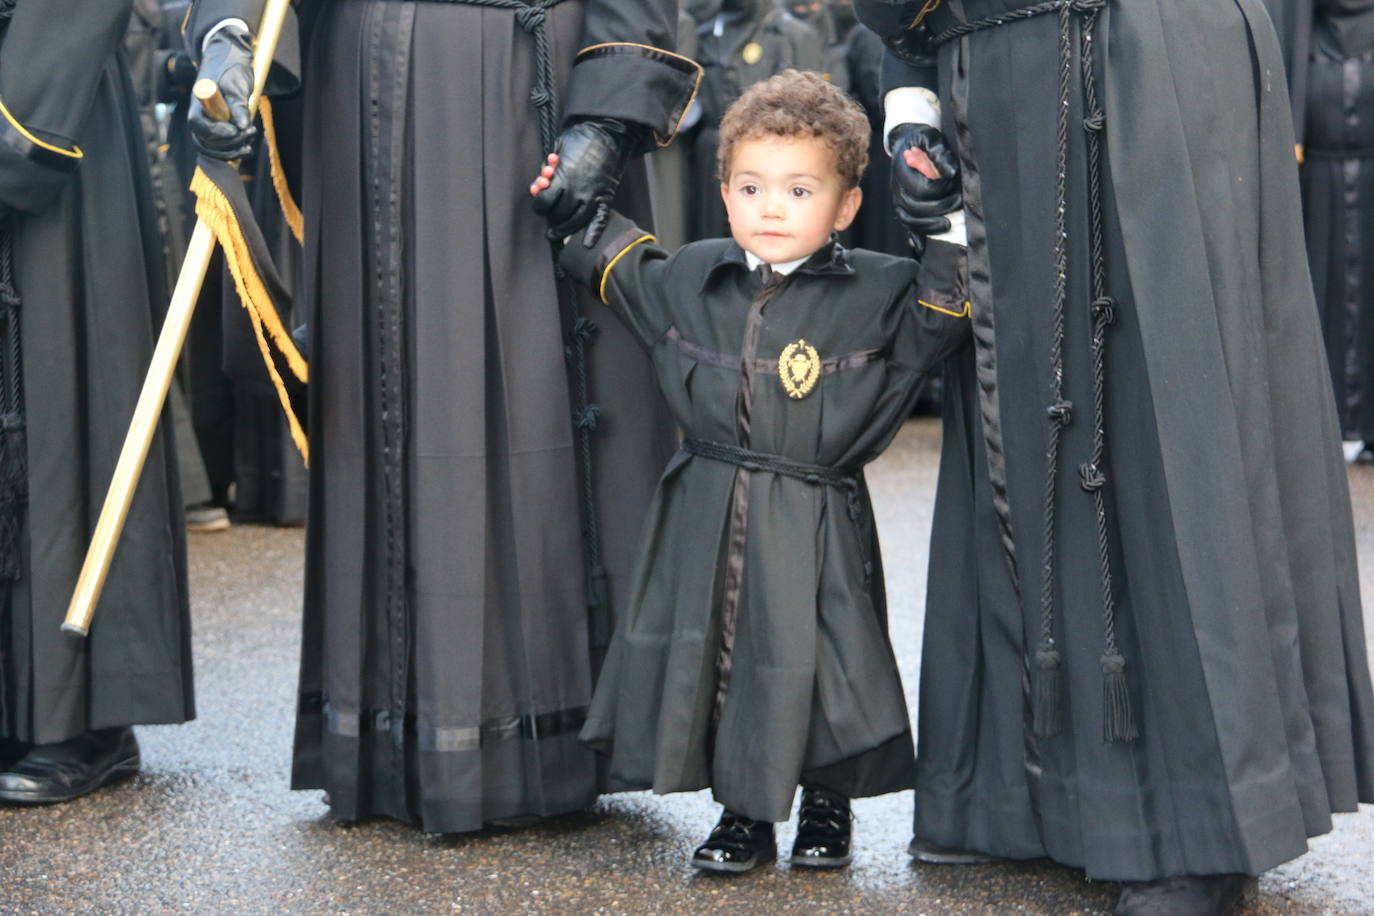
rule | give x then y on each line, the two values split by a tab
214	210
291	211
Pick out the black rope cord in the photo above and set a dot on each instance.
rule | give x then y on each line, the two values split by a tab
586	414
1047	705
13	445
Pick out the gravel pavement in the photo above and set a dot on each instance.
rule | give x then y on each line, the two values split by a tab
210	827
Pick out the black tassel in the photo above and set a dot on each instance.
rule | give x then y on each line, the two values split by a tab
13	495
598	608
1118	723
1047	709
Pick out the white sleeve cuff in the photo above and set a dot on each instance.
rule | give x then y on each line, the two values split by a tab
224	24
909	105
958	229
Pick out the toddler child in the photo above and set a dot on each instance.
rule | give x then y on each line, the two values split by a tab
754	655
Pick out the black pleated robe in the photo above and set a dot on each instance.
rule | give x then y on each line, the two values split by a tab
1229	531
448	653
1338	209
87	264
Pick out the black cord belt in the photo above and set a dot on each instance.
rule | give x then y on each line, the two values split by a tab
1118	722
14	475
815	474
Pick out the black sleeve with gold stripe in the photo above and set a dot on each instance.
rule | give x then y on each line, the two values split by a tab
628	67
53	55
629	272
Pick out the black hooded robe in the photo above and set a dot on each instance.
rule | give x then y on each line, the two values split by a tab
1338	203
1227	527
87	267
448	650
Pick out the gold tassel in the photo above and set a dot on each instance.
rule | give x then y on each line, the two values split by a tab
214	209
289	208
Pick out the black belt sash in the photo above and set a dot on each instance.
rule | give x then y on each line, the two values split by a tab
816	474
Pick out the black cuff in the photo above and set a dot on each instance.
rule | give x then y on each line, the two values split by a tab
33	171
942	283
588	266
633	82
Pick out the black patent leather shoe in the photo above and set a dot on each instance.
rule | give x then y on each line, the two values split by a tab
10	751
1186	895
60	772
736	844
824	824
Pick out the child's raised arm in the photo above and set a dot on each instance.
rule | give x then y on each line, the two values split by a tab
626	268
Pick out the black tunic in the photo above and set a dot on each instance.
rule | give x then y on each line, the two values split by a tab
754	647
88	270
1338	207
1228	531
447	659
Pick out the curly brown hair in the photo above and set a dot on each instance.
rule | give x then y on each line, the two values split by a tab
792	104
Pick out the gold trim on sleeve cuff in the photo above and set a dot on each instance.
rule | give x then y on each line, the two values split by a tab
606	274
936	308
73	153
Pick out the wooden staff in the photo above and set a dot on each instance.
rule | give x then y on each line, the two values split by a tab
165	355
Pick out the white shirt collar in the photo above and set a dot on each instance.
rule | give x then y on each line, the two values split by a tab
785	268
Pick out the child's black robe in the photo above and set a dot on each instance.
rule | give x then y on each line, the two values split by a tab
785	569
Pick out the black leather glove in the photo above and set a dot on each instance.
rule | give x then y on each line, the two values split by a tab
591	158
228	60
921	203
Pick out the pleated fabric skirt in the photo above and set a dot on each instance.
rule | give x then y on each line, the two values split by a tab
449	652
1229	531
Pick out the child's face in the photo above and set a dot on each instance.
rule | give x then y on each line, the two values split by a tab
784	197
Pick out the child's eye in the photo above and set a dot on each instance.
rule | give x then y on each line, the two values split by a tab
801	192
749	190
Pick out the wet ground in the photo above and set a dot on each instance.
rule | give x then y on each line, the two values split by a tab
210	827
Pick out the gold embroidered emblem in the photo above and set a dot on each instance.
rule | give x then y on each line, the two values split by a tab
752	53
799	366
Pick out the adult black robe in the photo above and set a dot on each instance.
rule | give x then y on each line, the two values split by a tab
747	42
1227	520
88	272
1293	24
876	226
1338	204
448	659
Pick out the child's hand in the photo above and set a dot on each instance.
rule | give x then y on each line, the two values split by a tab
545	176
919	160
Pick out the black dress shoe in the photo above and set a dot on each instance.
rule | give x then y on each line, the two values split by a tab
60	772
1185	895
10	751
931	854
736	844
824	823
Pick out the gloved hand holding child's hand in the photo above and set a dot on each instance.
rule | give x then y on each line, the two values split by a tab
591	156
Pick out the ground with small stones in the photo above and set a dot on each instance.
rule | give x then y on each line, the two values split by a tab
210	827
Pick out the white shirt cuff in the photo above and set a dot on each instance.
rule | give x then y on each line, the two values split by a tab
909	105
224	24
